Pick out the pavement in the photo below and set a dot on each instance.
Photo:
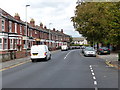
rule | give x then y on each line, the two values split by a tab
111	60
13	63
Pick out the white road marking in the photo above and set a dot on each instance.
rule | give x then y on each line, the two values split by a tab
93	74
92	71
90	66
95	82
94	77
96	88
67	54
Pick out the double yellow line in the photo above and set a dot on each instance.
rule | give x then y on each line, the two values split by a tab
6	68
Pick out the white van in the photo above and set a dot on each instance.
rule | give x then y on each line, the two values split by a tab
40	52
64	47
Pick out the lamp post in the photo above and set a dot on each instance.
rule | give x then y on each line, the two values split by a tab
49	34
78	2
26	28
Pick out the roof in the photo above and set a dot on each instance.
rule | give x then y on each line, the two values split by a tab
78	38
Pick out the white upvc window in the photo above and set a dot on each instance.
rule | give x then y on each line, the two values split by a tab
15	43
35	32
3	25
1	44
5	43
20	29
15	27
10	26
31	32
24	30
28	31
11	43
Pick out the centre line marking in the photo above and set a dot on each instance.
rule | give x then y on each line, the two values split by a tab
96	88
92	71
94	77
67	55
93	74
91	68
95	82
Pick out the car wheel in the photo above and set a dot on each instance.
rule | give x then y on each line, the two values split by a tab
99	53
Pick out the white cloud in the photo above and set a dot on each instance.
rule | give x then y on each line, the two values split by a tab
57	12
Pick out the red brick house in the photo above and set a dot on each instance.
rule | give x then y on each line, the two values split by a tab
13	36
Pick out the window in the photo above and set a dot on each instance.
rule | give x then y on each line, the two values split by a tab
5	43
0	43
10	26
20	29
3	25
15	27
11	43
15	43
35	32
28	31
24	30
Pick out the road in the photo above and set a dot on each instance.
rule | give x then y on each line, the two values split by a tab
66	69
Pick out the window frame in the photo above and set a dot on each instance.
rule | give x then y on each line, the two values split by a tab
3	24
15	27
1	43
10	26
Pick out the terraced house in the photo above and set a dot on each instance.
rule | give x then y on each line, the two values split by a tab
16	39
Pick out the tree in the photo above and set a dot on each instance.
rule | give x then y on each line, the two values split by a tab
99	22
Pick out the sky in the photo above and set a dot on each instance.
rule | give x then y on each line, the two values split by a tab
56	12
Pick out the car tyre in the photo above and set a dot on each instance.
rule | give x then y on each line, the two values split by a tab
99	53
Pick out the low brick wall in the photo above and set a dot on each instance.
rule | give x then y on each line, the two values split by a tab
22	54
7	56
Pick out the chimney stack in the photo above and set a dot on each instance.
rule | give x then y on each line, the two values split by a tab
41	25
45	27
17	17
54	29
32	22
61	30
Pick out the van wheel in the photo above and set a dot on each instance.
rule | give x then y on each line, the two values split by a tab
50	57
33	60
46	58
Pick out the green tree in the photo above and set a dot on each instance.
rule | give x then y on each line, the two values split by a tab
99	22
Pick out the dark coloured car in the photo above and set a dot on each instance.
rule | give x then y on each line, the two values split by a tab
103	50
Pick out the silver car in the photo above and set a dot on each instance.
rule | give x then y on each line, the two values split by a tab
89	51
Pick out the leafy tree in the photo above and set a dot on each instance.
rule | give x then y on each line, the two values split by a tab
99	22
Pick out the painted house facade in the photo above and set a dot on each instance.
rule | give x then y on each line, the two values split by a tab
79	40
16	38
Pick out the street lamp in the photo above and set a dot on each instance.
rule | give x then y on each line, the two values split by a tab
26	28
78	2
49	34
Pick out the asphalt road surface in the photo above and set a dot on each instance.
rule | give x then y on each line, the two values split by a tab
66	69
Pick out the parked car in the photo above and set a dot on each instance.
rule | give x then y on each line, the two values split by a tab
64	47
40	52
89	51
103	50
83	48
